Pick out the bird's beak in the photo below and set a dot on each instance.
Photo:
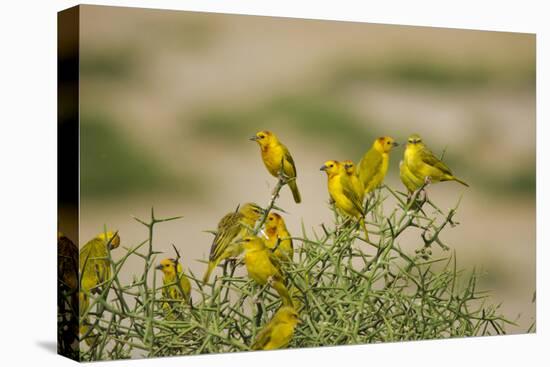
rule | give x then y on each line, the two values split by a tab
158	267
253	138
395	144
323	168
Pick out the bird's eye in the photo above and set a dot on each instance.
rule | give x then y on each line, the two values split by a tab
331	165
261	136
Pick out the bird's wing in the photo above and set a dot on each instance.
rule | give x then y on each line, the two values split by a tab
290	161
100	252
350	193
84	255
228	229
274	259
369	165
430	159
92	251
263	337
94	266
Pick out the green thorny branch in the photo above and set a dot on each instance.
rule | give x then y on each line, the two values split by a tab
347	289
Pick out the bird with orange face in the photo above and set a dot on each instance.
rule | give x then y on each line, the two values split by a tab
374	164
277	160
278	238
352	182
342	193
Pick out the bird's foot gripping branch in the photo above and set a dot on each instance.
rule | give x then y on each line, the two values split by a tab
332	287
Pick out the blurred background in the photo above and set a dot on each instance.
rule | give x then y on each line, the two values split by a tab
169	99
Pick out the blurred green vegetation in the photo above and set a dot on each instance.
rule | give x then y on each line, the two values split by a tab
522	181
191	34
314	116
114	63
323	119
429	71
113	165
318	113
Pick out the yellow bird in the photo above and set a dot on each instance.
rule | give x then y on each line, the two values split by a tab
352	181
374	164
276	155
424	165
231	227
279	330
172	271
95	267
411	182
263	267
342	193
278	236
176	284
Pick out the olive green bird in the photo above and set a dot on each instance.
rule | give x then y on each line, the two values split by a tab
278	332
374	164
231	227
175	282
95	269
263	267
424	166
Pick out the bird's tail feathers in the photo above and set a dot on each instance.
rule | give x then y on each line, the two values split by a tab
295	192
283	292
211	266
460	181
364	226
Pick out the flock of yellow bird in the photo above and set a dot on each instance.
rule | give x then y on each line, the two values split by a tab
265	253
